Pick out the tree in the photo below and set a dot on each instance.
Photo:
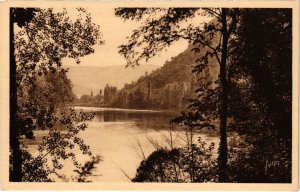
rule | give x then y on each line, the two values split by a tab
85	99
163	26
53	88
37	49
261	95
21	17
268	64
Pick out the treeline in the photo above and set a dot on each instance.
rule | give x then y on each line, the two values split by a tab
103	99
171	96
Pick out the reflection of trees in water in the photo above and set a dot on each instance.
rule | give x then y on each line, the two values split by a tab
143	120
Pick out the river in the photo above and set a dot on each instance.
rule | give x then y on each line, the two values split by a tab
121	136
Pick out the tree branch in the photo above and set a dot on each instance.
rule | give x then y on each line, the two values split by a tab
233	23
212	12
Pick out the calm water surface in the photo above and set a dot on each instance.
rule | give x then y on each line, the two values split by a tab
119	136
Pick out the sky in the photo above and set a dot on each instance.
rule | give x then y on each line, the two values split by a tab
115	31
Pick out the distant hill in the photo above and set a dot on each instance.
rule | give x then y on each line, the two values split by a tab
146	86
86	78
169	87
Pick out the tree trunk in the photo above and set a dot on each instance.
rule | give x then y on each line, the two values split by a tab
16	155
222	158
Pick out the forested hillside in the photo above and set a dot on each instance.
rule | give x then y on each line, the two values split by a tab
169	87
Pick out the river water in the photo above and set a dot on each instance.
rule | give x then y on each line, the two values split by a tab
122	137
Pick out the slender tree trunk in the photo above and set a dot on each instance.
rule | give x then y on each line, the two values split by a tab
222	158
192	160
16	173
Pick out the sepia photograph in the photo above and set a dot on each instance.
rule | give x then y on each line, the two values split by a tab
151	93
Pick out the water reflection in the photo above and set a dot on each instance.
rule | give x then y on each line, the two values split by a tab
142	119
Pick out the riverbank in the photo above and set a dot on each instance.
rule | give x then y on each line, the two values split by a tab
92	109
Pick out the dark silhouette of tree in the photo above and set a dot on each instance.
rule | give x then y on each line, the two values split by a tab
36	52
261	95
158	32
267	60
21	17
174	165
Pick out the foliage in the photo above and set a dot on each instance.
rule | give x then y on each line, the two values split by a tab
158	32
85	99
42	100
216	37
48	38
252	93
188	164
260	103
44	92
259	164
30	163
266	62
58	146
87	169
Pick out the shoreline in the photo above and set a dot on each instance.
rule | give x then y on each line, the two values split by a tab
115	109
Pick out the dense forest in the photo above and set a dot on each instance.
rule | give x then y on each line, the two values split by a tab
234	77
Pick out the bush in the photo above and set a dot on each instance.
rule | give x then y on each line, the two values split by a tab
189	164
